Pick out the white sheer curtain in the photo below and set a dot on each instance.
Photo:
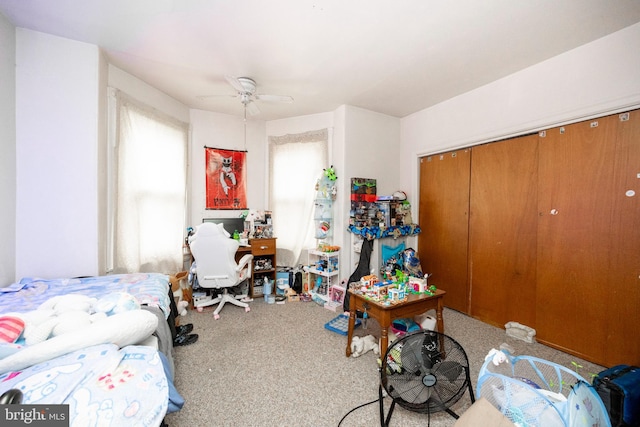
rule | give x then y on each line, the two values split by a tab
150	190
296	163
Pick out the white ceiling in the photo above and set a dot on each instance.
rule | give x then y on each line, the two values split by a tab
393	57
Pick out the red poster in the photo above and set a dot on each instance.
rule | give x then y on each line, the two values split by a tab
226	179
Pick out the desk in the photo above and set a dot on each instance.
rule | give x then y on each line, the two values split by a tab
415	304
242	251
261	249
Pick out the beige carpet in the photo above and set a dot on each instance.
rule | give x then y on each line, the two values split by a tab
278	366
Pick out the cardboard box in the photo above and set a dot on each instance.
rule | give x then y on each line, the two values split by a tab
483	413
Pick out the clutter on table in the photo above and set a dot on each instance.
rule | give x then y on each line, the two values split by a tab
392	289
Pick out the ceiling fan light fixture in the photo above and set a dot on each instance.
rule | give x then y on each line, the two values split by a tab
246	91
249	85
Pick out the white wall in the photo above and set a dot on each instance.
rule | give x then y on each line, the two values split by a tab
7	151
57	127
299	124
224	131
147	94
103	75
595	79
372	150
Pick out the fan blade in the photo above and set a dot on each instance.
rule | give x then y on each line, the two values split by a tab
205	97
450	369
233	81
409	388
411	356
274	98
252	108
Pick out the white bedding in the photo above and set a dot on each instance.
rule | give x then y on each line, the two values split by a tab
126	328
96	366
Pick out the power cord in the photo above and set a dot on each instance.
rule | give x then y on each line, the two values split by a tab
357	407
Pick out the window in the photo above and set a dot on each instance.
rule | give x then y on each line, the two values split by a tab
296	163
148	190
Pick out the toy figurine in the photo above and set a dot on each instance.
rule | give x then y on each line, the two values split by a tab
330	173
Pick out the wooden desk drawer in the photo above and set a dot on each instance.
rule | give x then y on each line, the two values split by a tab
263	247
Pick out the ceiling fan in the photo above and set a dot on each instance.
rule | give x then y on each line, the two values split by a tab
246	91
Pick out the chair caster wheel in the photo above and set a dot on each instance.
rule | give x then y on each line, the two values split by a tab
247	309
216	316
200	309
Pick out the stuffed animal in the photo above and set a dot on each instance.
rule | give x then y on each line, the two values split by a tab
361	345
69	302
497	357
68	313
116	302
405	212
182	308
56	316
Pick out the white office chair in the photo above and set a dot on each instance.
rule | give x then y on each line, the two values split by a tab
215	266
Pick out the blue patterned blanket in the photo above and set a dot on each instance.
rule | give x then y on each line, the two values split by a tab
149	289
103	385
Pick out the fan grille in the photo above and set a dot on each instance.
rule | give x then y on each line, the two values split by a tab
425	371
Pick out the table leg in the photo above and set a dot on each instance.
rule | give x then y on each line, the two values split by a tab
384	340
440	325
439	318
352	324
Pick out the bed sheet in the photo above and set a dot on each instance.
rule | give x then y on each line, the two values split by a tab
149	288
103	385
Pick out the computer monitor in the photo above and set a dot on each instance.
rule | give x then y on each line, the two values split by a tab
229	224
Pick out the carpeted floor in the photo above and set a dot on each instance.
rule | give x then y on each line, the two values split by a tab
278	366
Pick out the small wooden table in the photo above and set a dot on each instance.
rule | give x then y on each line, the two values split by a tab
414	304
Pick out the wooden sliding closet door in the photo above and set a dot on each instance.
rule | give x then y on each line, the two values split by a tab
621	313
503	230
444	220
587	291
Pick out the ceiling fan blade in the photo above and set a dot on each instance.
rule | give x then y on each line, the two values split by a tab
233	81
274	98
252	108
205	97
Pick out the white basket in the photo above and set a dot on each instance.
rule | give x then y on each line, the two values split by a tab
533	392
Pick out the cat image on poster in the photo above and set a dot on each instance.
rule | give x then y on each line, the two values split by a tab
225	179
227	173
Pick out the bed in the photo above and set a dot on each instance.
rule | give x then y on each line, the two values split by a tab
115	370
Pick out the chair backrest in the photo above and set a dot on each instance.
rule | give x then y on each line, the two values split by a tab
214	253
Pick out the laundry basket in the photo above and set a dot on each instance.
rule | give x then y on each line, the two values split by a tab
533	392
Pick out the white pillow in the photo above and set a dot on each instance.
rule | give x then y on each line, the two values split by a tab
122	329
